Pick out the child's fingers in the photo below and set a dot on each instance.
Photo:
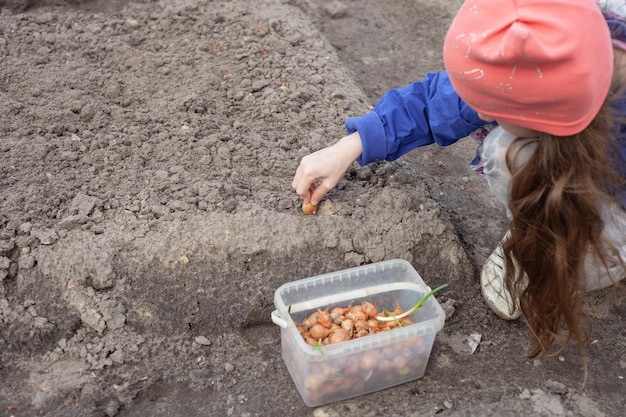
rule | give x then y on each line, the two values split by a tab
304	192
301	186
319	191
296	179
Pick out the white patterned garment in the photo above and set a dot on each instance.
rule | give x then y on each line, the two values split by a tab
613	9
493	162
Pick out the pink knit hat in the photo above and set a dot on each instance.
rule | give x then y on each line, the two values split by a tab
541	64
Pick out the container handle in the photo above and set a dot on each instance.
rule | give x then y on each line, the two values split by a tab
278	320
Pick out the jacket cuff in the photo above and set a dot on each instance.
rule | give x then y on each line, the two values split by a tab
372	134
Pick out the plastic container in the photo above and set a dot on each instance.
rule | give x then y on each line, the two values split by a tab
330	373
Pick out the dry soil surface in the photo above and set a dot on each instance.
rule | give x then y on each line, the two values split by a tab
146	214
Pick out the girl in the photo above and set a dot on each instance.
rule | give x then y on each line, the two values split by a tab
541	81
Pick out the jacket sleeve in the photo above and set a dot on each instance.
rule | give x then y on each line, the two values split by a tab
422	113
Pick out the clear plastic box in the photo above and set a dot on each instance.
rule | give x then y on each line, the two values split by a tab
330	373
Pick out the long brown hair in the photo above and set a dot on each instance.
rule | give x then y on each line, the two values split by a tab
556	221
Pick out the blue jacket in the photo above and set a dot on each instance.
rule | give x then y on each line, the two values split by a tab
430	111
422	113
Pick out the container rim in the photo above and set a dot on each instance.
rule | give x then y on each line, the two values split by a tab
282	307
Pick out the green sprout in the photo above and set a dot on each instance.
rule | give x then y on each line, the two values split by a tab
397	318
318	347
391	316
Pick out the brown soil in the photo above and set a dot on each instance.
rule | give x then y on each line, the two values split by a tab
147	216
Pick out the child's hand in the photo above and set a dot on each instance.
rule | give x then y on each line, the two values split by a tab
319	172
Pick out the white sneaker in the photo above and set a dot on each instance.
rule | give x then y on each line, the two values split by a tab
492	286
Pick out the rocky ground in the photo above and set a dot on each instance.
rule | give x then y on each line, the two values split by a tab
147	217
